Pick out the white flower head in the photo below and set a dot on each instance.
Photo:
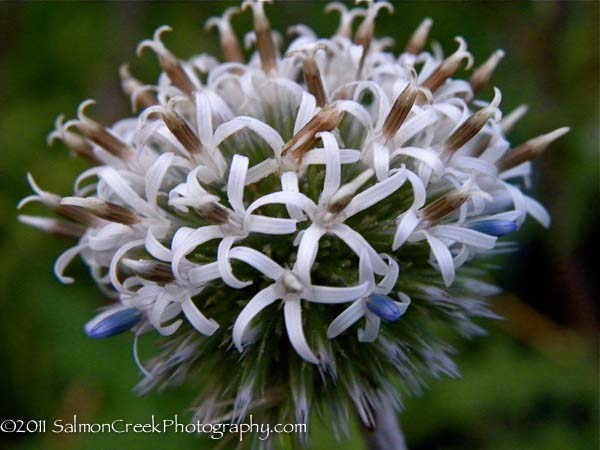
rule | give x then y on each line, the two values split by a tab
286	221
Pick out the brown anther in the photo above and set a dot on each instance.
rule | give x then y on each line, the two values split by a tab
364	33
314	82
305	139
399	111
530	149
264	35
230	45
419	37
98	134
141	98
346	17
149	269
482	75
182	131
78	144
510	120
217	214
102	209
444	205
344	195
470	127
448	67
168	62
55	227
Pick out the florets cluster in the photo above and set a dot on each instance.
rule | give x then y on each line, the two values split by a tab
296	225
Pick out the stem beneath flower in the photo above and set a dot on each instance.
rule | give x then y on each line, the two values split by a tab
388	434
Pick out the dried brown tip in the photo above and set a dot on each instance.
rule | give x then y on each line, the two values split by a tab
346	18
55	227
141	97
103	209
230	45
470	127
76	143
98	134
530	149
312	74
483	74
264	35
445	205
366	30
168	62
150	269
510	120
399	111
449	66
417	41
305	139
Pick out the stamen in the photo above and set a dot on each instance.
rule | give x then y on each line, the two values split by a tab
530	149
229	41
168	62
303	141
483	74
291	283
103	209
449	66
399	111
217	214
264	35
140	95
470	127
59	228
510	120
419	37
346	18
75	142
366	30
111	324
494	227
312	74
383	307
150	269
446	204
98	134
345	193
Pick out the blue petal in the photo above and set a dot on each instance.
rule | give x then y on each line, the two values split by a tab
494	227
115	323
384	307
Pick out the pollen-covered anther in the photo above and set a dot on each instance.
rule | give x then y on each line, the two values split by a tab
312	74
449	66
305	139
141	96
346	18
470	127
228	39
530	149
103	209
55	227
419	37
264	35
149	269
445	205
482	75
78	144
168	61
98	134
399	111
343	196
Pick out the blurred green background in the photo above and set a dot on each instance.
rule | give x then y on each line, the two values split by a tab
532	384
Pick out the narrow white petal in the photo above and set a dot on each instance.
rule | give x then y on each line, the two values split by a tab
381	161
120	187
261	170
293	323
183	246
419	192
537	211
155	175
202	274
256	259
443	257
464	235
64	260
198	320
371	330
236	182
289	183
156	249
271	137
332	167
404	302
365	269
122	251
307	110
307	251
346	319
225	266
375	194
389	280
357	243
259	302
426	156
332	295
406	226
287	198
270	225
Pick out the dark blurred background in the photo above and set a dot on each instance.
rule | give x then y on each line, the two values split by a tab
531	385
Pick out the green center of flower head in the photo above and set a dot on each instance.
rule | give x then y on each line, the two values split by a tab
265	213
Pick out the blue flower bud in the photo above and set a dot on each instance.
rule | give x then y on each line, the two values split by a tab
113	324
494	227
384	307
